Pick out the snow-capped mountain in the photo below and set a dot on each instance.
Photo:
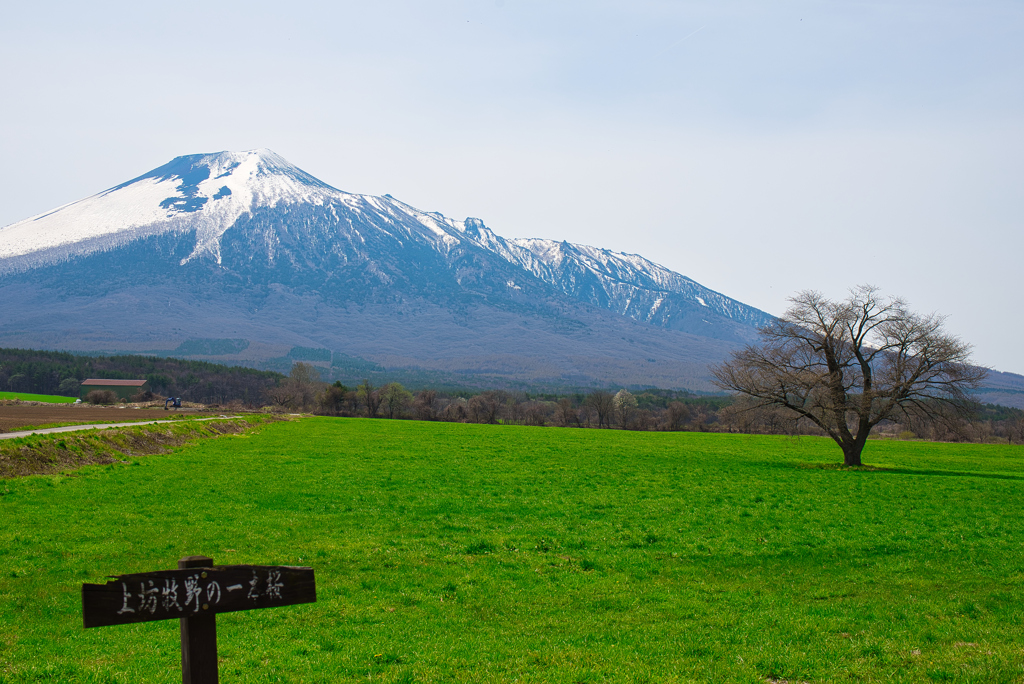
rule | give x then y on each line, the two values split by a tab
208	194
243	229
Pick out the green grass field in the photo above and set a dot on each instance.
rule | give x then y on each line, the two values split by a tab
447	552
48	398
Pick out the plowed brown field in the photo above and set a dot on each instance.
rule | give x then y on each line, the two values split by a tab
14	417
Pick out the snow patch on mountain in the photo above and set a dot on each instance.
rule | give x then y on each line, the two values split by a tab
206	193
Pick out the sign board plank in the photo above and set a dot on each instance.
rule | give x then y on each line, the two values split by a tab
184	593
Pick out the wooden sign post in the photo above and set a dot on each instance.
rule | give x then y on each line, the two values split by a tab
194	594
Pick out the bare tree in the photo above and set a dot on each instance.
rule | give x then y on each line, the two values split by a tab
586	414
848	365
304	382
565	415
536	414
603	404
1015	430
299	390
426	405
515	408
483	408
281	397
751	416
456	411
678	415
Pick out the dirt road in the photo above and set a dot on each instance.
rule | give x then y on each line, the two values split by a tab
100	426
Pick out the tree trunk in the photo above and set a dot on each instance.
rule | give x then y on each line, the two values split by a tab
851	455
852	450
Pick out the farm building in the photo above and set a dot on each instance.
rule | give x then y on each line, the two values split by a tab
124	389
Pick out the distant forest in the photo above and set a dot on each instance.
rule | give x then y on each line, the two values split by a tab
46	372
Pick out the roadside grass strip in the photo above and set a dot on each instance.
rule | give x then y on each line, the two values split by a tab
23	454
468	553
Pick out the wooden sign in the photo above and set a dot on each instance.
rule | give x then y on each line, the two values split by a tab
174	594
195	593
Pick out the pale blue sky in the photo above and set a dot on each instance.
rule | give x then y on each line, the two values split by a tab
757	147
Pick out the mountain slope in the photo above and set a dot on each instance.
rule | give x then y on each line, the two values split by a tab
210	194
246	245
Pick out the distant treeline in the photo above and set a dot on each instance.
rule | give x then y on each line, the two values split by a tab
45	372
640	410
42	372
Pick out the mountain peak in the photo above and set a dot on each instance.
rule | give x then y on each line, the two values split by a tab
205	192
192	169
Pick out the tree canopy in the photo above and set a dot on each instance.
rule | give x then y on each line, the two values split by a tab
848	365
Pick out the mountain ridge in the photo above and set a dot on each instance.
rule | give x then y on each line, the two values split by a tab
626	283
246	245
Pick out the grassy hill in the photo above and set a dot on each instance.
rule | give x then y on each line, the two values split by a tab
452	552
